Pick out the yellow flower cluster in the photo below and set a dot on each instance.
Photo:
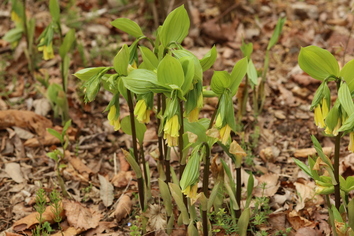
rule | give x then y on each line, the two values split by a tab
171	130
141	112
321	111
48	52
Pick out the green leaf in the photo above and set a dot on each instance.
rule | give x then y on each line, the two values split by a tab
247	49
346	99
351	213
348	124
252	72
198	71
139	127
278	28
220	81
87	73
53	155
303	167
54	10
208	60
55	134
175	28
188	69
92	87
318	63
141	81
213	195
166	196
177	195
128	26
347	73
66	126
190	175
320	152
238	72
170	71
243	221
13	35
121	60
149	58
67	43
132	162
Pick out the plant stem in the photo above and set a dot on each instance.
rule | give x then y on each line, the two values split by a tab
27	35
238	191
336	171
182	161
165	148
135	148
205	187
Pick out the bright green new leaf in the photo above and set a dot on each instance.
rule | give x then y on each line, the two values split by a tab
351	213
170	71
331	120
13	35
53	155
132	162
188	68
320	152
92	87
175	28
243	222
303	167
318	63
247	49
208	60
128	26
238	72
278	28
346	99
55	134
347	73
66	126
149	58
220	81
348	124
317	98
54	10
121	61
252	72
87	73
198	70
139	127
191	174
67	43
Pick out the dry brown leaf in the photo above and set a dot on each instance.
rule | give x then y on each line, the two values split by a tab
271	187
106	191
32	219
102	226
123	208
71	231
157	219
124	165
122	179
12	234
24	119
79	216
304	153
14	171
306	192
307	232
47	139
298	222
77	163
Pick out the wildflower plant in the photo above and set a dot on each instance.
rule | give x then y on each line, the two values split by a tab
159	77
336	119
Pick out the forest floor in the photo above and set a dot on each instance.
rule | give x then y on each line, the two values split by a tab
280	133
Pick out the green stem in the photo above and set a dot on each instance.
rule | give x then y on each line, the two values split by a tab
29	45
182	161
165	151
336	171
135	148
205	187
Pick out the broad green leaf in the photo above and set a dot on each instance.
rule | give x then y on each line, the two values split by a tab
66	126
346	99
243	222
318	63
191	173
276	33
139	127
347	73
320	152
317	98
132	162
52	92
208	60
238	72
54	10
13	35
128	26
177	195
87	73
55	134
252	72
333	116
67	43
198	71
351	213
220	81
141	81
213	194
188	68
170	71
175	28
121	61
348	124
247	49
166	196
53	155
192	230
149	58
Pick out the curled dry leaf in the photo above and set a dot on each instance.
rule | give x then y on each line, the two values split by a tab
271	185
306	192
79	216
298	221
123	208
80	166
106	191
24	119
14	171
304	153
69	232
122	179
32	219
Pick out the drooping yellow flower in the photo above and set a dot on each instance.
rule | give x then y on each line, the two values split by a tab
171	129
218	122
142	112
335	129
191	192
48	52
321	112
225	134
351	142
193	115
15	18
112	118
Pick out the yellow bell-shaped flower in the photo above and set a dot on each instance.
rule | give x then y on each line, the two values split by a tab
112	118
171	130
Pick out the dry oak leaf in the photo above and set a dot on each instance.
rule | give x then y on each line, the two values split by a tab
106	191
32	219
79	216
47	139
304	153
124	165
77	163
298	222
123	208
24	119
271	185
122	179
11	234
306	192
71	231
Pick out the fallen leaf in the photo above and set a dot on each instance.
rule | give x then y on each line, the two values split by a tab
304	153
123	208
77	163
298	221
102	226
157	219
106	191
69	232
14	171
122	179
306	192
79	216
124	165
271	185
